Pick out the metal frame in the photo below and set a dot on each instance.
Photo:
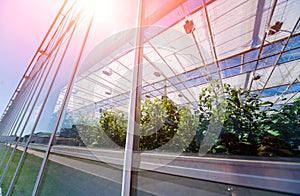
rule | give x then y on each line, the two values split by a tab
264	39
21	99
242	170
66	98
19	86
280	54
129	176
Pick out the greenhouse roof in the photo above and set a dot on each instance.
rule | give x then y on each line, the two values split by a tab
253	45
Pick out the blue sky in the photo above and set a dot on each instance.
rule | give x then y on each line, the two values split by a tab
23	25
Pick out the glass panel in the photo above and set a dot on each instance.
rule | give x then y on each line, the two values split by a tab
272	49
231	62
267	62
28	173
231	72
88	118
161	113
163	184
249	67
293	43
252	55
289	56
200	129
71	176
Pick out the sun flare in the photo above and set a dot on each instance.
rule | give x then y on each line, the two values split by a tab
103	9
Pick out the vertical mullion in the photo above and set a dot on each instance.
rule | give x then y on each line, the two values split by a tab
132	136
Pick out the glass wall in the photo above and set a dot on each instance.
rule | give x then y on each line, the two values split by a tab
159	98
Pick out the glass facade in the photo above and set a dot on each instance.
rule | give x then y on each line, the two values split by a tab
158	98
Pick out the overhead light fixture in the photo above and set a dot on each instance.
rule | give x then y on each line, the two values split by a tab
275	28
164	97
108	92
256	77
189	26
209	78
74	91
157	74
107	72
283	99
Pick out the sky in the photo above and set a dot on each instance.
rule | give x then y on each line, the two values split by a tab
23	25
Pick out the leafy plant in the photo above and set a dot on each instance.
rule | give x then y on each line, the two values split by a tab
184	139
249	125
285	125
114	125
239	116
163	126
87	131
211	116
229	121
158	124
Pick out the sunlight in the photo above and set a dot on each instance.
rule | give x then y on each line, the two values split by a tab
104	9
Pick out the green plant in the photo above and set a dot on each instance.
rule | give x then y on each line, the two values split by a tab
229	121
158	124
163	126
114	125
284	123
87	131
211	115
184	139
87	128
240	116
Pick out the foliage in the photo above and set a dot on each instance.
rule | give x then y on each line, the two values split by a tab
249	125
285	124
158	124
163	126
184	139
87	131
71	133
211	115
229	121
114	125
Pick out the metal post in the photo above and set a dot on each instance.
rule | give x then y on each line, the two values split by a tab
21	160
133	119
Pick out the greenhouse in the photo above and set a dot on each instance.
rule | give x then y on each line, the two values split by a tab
160	97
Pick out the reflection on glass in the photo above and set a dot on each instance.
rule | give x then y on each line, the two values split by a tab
214	112
162	184
26	177
73	176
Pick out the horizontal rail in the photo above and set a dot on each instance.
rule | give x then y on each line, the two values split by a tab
272	175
